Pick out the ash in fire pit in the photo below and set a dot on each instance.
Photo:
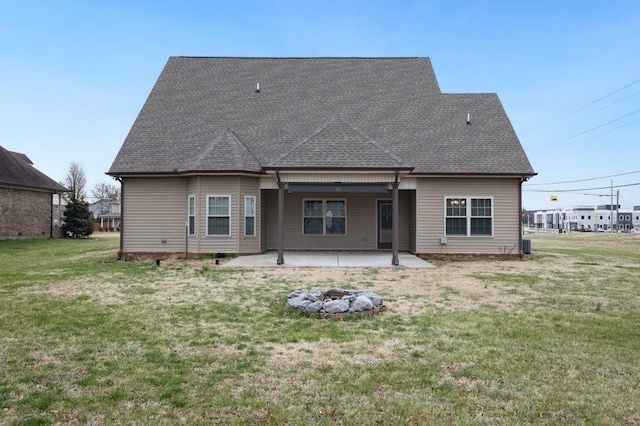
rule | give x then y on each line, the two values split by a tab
335	302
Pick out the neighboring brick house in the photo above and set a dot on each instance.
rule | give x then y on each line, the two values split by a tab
26	199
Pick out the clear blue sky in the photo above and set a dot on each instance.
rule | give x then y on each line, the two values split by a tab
74	74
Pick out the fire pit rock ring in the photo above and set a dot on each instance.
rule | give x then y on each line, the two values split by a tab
336	302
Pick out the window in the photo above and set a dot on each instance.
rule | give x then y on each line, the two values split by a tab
468	216
324	217
192	215
218	218
250	215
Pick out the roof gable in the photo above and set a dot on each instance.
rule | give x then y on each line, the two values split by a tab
224	153
338	144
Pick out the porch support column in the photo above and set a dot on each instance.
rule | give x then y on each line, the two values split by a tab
395	224
281	186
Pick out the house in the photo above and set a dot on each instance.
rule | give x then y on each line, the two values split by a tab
245	155
26	199
110	221
100	207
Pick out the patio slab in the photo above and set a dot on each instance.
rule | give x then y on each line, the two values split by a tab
329	259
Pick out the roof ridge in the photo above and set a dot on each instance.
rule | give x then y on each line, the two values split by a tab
236	151
338	118
301	57
205	152
305	140
371	140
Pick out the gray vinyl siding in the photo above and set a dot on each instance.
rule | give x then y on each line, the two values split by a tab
266	204
430	201
361	222
412	221
154	210
249	186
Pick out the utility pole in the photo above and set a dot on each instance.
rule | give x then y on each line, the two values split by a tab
611	209
617	204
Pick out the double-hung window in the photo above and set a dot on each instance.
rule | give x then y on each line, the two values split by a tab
469	216
250	215
192	215
324	217
218	215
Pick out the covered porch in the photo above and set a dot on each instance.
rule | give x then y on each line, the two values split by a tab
347	215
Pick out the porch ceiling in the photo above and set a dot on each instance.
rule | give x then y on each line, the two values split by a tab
338	187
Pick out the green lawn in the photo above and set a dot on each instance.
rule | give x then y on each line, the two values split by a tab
85	339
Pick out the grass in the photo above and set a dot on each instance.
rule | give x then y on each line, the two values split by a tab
86	339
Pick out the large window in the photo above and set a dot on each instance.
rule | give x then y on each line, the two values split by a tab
218	217
468	216
192	215
324	217
249	215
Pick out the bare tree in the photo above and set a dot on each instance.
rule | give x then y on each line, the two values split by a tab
75	181
105	191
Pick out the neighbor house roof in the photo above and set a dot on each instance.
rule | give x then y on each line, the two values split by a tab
17	170
208	115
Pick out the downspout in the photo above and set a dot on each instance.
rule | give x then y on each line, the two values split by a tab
520	229
121	250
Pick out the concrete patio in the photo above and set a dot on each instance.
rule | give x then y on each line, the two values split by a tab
330	259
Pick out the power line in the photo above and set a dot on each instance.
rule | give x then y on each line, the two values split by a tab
581	189
599	99
581	180
614	102
599	126
618	127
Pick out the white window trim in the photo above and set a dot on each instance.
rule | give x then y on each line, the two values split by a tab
468	200
229	215
324	216
195	214
255	209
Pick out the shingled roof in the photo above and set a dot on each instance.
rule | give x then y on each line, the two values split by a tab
17	170
207	115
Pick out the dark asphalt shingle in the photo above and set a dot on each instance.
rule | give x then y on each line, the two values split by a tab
204	114
17	170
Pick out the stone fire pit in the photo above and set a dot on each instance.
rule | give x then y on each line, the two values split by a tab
336	302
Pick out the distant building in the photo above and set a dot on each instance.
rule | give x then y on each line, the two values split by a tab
110	221
27	199
589	218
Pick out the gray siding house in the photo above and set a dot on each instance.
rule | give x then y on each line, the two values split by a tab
245	155
26	199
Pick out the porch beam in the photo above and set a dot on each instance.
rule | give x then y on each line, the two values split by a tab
281	187
395	224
